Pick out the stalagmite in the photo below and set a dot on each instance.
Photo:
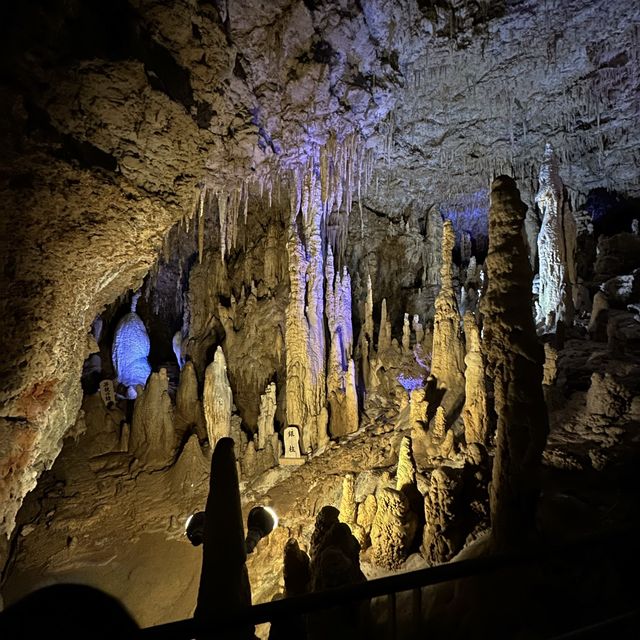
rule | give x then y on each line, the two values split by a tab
153	437
190	470
474	412
217	399
514	363
393	529
130	350
406	335
406	473
556	248
439	540
266	415
384	334
341	383
532	230
224	583
447	364
304	319
348	507
440	439
188	405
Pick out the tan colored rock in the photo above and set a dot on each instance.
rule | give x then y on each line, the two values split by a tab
348	507
191	470
249	464
439	543
341	382
447	363
599	317
266	416
406	473
514	363
439	441
393	529
474	413
189	410
550	368
153	437
217	399
367	512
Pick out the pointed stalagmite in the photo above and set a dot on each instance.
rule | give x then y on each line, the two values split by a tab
514	363
474	412
447	365
188	405
153	437
266	415
217	399
224	582
348	507
556	247
406	474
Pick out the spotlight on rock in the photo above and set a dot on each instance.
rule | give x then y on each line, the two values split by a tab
260	523
194	528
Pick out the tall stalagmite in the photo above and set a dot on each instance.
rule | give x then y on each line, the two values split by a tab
341	383
474	412
556	248
153	437
217	399
304	319
447	365
514	363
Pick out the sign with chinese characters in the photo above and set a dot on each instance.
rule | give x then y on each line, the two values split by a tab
107	392
291	438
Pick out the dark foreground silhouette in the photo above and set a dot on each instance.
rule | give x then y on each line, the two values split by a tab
69	611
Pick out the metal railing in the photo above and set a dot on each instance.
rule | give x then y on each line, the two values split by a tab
414	582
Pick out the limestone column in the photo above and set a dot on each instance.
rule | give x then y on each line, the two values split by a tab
474	412
447	364
217	399
514	363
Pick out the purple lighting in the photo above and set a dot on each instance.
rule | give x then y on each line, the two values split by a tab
409	383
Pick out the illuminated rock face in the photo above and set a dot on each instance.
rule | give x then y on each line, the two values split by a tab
447	364
217	399
474	412
556	248
514	363
341	374
130	351
188	404
153	437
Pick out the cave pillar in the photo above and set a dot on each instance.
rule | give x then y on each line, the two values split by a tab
217	399
514	363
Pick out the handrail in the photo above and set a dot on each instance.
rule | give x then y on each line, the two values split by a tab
285	608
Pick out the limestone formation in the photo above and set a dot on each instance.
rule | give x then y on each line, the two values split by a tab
439	441
532	230
191	469
439	541
447	364
556	248
130	351
550	368
217	399
393	529
266	416
384	334
406	473
348	506
474	413
599	317
341	383
514	363
153	436
189	412
304	326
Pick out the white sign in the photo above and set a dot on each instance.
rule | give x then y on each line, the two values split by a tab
107	392
291	442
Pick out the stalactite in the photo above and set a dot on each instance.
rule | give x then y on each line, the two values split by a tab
514	363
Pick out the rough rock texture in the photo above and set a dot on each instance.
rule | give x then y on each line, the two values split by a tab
447	361
556	248
393	529
514	363
153	435
189	412
474	413
217	400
